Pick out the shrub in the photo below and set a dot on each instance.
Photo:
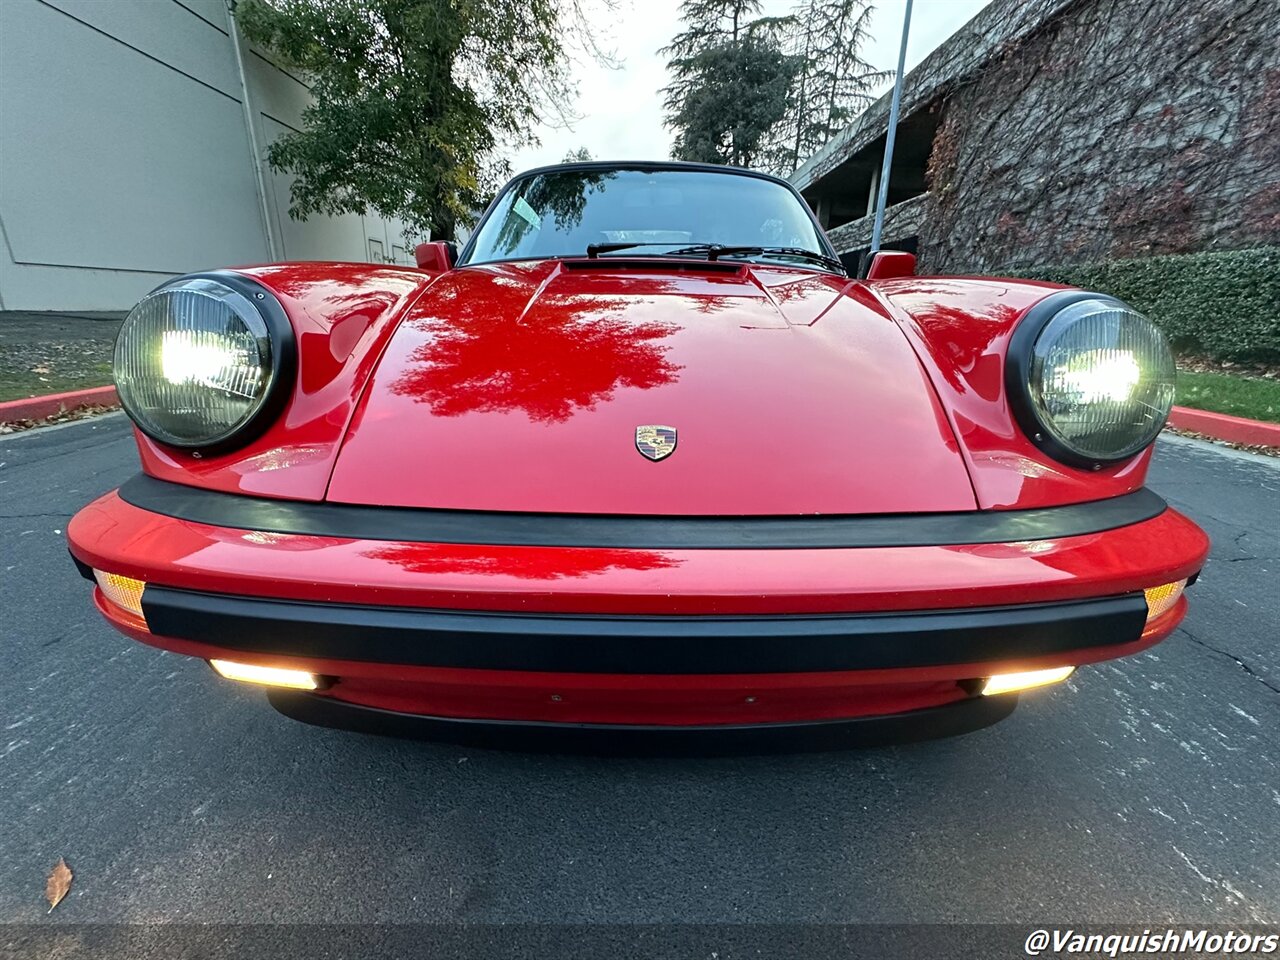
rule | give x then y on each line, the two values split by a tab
1224	304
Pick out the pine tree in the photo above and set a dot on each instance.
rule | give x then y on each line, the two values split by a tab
730	78
833	84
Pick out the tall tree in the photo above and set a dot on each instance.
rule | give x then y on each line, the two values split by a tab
411	99
834	83
730	78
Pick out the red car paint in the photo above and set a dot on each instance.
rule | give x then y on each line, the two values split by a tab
346	315
113	535
517	387
961	327
342	316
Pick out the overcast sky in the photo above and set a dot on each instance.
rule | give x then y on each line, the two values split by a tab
621	109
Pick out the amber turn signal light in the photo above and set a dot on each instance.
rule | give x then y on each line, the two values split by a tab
268	676
124	592
1162	598
1009	682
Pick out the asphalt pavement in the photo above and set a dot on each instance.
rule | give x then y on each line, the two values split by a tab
1145	790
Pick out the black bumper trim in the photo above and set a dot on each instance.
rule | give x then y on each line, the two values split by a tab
85	570
953	719
635	532
571	643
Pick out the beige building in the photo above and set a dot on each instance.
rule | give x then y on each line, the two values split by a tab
132	143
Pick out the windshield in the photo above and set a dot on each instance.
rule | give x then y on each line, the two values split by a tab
561	213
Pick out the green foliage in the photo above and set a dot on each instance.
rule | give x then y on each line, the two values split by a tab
1257	398
766	91
833	85
19	383
411	98
730	78
740	94
1224	305
706	24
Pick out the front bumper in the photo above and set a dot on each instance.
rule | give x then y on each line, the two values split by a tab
664	634
581	643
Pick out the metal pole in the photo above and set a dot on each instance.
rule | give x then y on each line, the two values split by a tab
882	199
264	207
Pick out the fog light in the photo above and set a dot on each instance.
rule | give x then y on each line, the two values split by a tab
124	592
1009	682
1162	598
271	676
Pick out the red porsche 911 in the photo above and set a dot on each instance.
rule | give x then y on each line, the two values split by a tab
641	467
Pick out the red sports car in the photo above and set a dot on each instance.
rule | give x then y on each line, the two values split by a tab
641	467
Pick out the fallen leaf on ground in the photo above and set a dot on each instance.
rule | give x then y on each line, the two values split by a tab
58	884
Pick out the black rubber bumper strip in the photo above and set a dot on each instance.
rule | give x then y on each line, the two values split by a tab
635	532
961	716
86	571
570	643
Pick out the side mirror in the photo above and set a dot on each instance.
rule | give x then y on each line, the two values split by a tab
891	264
434	256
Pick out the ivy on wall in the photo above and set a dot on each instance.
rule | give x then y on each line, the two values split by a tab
1119	130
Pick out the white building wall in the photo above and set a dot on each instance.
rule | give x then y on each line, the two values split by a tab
124	157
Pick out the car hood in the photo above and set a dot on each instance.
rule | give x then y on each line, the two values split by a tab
520	387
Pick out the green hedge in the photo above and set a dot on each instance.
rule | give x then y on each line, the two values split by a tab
1224	305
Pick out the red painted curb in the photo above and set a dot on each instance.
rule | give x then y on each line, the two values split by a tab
37	408
1220	426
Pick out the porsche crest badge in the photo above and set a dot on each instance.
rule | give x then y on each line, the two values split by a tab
655	441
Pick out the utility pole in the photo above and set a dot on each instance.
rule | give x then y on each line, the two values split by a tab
894	104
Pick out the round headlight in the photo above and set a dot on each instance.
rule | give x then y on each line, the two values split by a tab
1091	379
196	361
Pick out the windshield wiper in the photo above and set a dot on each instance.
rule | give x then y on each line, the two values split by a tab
718	250
595	249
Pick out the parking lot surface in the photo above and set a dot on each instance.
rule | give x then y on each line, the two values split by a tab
1145	790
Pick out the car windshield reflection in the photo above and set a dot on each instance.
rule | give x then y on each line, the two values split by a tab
600	210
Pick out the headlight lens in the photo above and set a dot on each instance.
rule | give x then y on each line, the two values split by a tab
1100	381
193	363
